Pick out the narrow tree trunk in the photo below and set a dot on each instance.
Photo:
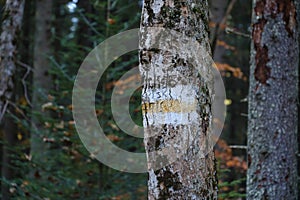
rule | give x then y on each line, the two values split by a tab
273	116
10	138
11	25
41	78
176	104
218	18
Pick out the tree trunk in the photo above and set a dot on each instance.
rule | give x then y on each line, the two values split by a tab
176	104
11	25
218	18
41	78
12	22
273	116
10	138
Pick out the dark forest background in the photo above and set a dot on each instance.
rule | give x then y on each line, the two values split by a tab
44	157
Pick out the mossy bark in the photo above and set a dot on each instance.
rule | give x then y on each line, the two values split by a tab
273	97
176	103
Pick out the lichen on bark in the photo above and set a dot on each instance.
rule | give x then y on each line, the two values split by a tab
273	116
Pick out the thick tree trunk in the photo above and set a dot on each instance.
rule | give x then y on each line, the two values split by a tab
11	25
41	78
176	104
273	116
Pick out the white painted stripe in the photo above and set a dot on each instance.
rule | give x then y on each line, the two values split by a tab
170	118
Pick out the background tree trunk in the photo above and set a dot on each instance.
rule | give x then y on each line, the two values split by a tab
218	18
273	116
10	136
190	176
41	79
11	25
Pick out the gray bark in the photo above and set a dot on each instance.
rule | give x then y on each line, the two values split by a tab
41	78
273	116
171	83
11	25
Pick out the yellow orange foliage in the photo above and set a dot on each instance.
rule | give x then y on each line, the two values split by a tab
225	45
224	153
235	71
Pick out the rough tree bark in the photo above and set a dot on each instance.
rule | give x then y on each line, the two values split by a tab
273	116
11	25
176	103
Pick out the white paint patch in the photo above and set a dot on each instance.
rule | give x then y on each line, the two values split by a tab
157	4
183	93
171	118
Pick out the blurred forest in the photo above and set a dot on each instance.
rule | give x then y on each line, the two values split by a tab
41	154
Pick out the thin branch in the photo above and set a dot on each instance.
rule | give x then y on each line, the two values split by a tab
244	100
236	32
228	11
88	23
60	68
25	65
238	146
3	110
244	114
22	113
28	68
223	22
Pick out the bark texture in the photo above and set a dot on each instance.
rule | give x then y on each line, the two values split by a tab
176	104
273	116
11	25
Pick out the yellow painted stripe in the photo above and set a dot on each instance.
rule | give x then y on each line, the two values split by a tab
166	106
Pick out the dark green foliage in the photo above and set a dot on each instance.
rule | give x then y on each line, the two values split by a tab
68	171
